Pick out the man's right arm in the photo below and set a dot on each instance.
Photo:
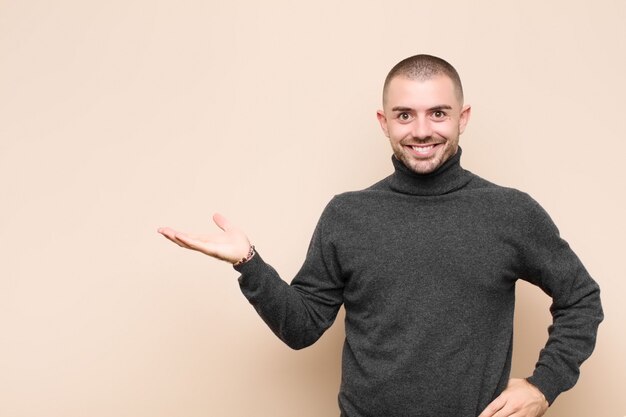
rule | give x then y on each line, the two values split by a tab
298	313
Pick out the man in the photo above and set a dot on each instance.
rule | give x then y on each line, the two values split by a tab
425	262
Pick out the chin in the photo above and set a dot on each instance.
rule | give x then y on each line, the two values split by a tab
422	167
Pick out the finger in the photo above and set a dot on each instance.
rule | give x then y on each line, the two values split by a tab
506	412
197	236
186	240
162	230
222	222
208	248
191	242
493	407
171	234
178	242
168	233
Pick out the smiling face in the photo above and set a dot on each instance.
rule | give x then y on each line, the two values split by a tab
423	120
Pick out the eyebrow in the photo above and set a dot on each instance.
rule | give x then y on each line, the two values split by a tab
435	108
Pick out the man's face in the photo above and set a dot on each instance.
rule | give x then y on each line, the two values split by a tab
423	120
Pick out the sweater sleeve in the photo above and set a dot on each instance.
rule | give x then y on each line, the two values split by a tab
300	312
549	263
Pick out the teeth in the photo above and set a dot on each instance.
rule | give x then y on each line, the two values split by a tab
422	148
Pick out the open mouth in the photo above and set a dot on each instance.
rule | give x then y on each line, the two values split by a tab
423	150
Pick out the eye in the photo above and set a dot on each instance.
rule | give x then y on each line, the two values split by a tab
439	114
404	116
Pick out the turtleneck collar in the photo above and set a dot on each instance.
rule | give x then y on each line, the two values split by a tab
445	179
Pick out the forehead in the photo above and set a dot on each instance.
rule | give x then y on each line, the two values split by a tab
415	93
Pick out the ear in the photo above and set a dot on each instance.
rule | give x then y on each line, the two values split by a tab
382	119
466	112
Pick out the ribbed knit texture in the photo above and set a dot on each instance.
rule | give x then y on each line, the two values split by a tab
426	267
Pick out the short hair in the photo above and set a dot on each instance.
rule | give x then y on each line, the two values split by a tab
424	67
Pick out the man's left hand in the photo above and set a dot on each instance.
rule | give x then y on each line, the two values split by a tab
519	399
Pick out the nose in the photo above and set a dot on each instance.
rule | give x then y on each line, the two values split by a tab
421	128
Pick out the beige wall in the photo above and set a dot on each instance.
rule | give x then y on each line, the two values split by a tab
118	117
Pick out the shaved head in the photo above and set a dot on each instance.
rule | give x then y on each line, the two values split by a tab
424	67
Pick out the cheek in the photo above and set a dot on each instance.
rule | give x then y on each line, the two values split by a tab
447	130
397	132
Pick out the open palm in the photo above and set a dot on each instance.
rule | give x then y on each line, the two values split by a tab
230	245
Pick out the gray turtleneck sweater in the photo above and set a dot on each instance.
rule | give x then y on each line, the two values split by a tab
426	266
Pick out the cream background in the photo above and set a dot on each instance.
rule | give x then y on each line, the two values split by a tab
122	116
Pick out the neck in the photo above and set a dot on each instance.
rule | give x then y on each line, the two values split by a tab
447	178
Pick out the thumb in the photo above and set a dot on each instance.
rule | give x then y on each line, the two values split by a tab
222	222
